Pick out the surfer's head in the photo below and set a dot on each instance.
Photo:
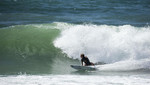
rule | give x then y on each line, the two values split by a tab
82	55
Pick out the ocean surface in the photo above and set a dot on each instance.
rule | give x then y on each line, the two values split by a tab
40	39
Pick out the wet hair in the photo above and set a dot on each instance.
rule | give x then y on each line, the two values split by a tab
82	55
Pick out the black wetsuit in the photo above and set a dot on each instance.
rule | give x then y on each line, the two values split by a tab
86	61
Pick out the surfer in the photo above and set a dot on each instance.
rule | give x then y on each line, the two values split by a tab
85	60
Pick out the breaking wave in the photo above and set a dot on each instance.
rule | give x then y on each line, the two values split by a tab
119	46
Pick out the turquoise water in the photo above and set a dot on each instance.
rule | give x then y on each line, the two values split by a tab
40	39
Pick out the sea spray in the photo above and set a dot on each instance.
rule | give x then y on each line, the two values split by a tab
106	43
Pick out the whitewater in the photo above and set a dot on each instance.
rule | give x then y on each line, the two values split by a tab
75	80
121	47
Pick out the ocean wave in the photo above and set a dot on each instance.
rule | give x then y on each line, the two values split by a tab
45	48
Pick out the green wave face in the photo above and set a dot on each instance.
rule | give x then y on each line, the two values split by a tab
27	48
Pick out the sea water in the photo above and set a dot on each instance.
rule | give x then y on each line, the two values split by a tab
40	39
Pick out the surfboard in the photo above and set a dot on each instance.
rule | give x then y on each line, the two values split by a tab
83	67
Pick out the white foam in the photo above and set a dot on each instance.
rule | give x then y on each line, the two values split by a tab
126	65
104	43
75	80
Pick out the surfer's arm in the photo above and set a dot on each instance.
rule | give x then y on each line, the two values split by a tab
82	62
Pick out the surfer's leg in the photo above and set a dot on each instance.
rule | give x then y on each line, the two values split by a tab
92	63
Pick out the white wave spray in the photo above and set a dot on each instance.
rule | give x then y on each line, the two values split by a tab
110	44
